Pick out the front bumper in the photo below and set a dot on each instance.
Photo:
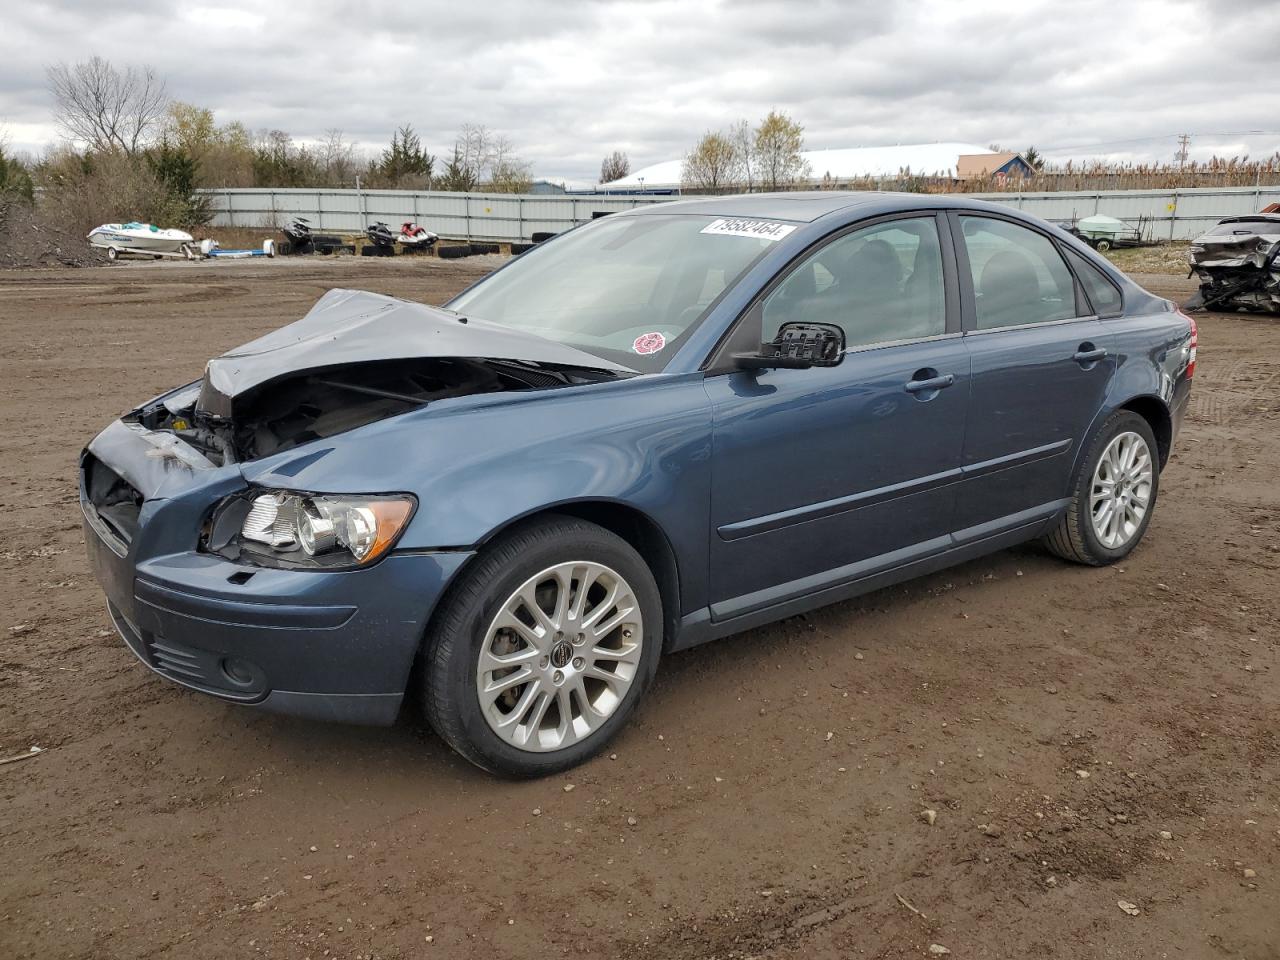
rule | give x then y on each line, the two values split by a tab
328	645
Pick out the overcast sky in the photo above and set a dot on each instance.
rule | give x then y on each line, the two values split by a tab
568	81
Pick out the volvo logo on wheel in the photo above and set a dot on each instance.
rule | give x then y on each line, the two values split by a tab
561	654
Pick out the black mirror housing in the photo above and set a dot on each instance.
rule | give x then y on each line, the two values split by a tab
798	346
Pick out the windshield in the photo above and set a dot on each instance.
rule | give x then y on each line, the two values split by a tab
627	288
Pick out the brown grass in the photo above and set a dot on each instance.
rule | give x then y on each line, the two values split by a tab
1167	258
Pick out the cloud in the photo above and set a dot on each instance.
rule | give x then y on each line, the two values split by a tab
569	81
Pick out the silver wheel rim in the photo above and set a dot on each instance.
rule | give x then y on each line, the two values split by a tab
560	656
1121	493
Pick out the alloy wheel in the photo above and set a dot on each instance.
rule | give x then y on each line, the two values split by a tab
1121	491
559	656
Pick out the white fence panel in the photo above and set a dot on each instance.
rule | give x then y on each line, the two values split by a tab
1174	214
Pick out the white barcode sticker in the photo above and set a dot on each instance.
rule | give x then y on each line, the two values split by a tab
759	229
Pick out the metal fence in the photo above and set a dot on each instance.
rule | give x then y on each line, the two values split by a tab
461	216
1171	214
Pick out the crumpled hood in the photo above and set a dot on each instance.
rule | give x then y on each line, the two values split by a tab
354	326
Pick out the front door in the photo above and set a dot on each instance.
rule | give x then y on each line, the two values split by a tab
825	475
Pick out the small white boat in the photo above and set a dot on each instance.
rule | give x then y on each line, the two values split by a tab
141	238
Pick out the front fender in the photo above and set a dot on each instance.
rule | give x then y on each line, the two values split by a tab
477	467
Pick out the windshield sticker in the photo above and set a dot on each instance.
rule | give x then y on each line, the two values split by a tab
758	229
648	343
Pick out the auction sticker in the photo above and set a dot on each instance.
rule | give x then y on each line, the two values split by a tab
759	229
649	343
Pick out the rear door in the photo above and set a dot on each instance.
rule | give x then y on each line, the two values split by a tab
1042	363
824	475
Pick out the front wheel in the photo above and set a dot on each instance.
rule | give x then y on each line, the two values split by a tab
542	650
1113	496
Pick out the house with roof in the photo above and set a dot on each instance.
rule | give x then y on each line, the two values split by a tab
980	166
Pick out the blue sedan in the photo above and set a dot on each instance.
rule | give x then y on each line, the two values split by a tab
661	428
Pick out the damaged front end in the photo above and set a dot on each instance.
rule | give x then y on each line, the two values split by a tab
211	577
1238	265
353	359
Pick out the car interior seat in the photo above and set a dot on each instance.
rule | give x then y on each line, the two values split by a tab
923	292
1010	291
866	298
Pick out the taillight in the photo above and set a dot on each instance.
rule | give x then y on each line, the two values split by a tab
1191	347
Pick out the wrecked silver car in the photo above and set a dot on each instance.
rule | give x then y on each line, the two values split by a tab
1238	263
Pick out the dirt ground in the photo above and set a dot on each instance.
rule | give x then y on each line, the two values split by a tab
768	800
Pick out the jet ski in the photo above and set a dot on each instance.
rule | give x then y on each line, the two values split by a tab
140	238
382	242
414	237
300	239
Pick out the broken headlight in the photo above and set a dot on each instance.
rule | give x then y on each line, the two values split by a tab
283	528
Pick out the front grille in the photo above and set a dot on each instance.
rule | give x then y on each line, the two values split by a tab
114	502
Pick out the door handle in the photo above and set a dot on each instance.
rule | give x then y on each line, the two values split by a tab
930	384
1088	353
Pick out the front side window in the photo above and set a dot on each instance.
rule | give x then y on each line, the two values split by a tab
879	284
1018	275
630	289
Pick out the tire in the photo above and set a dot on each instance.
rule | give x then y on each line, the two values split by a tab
113	254
1102	246
466	625
1076	537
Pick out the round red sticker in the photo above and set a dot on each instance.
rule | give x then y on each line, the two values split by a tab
649	343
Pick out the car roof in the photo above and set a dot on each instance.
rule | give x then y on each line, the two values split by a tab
806	206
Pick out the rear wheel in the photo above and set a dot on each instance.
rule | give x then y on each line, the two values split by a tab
113	254
1114	494
1102	246
543	649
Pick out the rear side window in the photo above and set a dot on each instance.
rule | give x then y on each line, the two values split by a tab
1018	275
1103	294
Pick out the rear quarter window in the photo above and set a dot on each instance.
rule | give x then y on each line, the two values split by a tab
1103	293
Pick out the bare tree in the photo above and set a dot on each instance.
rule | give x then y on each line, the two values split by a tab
507	172
338	158
712	165
483	160
778	144
475	144
614	167
107	108
743	140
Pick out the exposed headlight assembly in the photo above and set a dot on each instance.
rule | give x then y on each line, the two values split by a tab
282	528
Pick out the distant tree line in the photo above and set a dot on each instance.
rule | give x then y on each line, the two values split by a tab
131	150
768	156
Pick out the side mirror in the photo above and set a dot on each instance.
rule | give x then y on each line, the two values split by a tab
797	346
